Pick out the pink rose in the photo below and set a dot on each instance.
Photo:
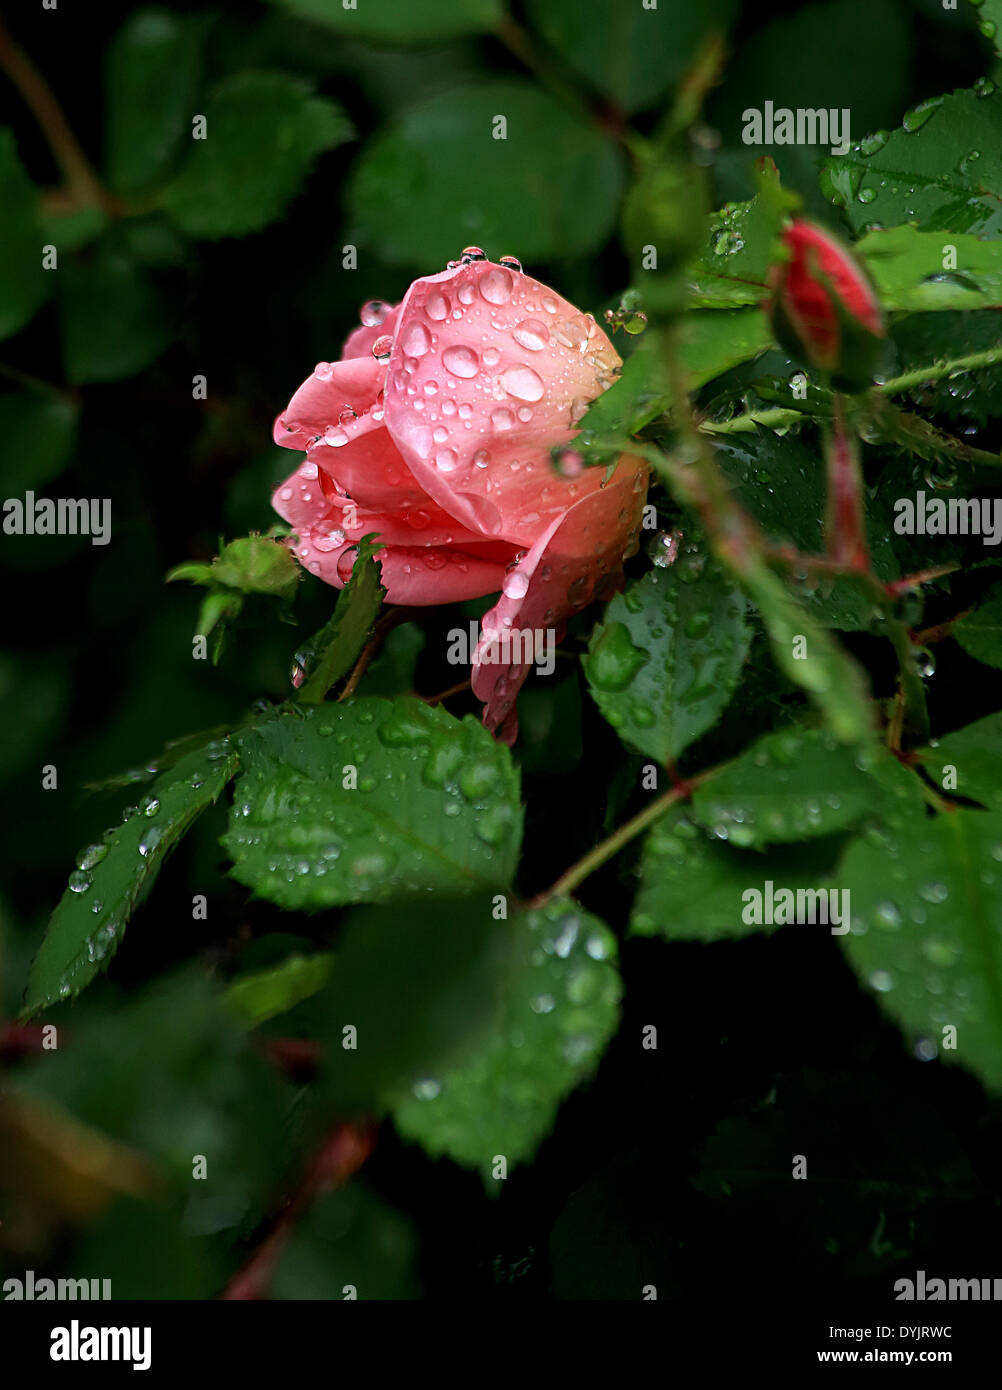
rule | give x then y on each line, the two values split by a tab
435	430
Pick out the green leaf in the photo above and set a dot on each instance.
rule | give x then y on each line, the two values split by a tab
810	657
39	431
263	133
438	178
168	1072
922	339
435	807
393	22
692	884
347	1240
87	927
665	660
261	994
926	907
631	402
112	318
555	1011
795	784
941	171
715	340
634	54
906	266
974	754
24	285
341	640
742	244
151	72
980	633
415	982
781	481
990	21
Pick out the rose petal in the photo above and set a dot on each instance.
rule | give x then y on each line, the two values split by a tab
414	575
577	558
320	401
475	403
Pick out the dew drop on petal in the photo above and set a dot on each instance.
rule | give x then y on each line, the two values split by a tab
323	371
531	334
373	312
502	419
416	340
523	383
515	585
437	306
462	362
346	563
496	286
445	460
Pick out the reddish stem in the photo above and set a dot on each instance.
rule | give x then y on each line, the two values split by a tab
341	1155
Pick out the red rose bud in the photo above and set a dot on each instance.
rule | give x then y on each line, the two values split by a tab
823	309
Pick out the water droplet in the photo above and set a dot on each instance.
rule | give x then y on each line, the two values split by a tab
416	340
382	348
323	371
373	312
511	262
151	838
437	306
481	458
79	882
496	286
867	195
502	419
916	118
346	562
461	361
472	253
515	585
92	855
523	383
446	460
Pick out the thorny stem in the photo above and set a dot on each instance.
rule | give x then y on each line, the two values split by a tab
81	179
610	847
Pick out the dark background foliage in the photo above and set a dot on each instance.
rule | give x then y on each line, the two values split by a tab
672	1168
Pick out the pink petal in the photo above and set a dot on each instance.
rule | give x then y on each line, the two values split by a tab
577	558
321	400
414	575
359	342
476	403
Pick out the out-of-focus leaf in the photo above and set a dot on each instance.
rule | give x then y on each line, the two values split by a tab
39	432
349	1244
555	1012
980	632
968	762
439	177
400	21
907	268
263	132
261	994
113	320
150	77
24	285
635	53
